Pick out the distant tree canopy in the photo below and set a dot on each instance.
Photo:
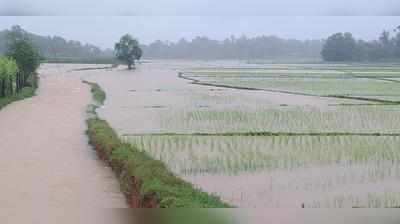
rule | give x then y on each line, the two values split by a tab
339	47
262	47
57	48
343	47
128	50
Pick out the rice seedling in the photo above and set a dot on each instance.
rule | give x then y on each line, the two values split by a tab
293	119
192	155
317	171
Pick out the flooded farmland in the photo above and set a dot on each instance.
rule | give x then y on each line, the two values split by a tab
289	147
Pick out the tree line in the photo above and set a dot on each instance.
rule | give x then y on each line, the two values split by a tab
243	48
344	47
57	48
337	47
18	66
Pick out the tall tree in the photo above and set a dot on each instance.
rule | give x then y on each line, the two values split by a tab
339	47
3	77
396	42
128	50
385	38
22	50
386	45
397	45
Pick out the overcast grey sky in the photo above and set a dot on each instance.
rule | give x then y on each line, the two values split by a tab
105	31
200	7
173	19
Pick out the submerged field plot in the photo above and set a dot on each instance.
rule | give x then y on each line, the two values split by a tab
369	81
317	171
278	135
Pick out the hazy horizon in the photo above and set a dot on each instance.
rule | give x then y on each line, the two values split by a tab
201	8
104	31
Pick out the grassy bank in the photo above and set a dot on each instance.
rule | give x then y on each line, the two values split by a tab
25	93
146	182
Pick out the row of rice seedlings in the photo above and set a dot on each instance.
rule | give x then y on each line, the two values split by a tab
270	73
315	186
370	200
293	68
193	155
296	72
279	67
350	176
356	119
320	86
218	98
373	72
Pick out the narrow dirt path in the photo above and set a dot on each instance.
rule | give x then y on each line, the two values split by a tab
45	160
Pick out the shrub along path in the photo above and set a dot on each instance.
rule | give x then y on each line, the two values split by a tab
45	160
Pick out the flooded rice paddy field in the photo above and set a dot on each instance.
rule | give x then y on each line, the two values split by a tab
377	82
287	145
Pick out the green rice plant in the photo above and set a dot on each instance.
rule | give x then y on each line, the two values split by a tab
369	200
235	154
291	119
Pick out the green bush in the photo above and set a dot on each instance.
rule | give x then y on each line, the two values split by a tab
8	73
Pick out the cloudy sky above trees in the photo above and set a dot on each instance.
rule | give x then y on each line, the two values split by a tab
200	7
102	22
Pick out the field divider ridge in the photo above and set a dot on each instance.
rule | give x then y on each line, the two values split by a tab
267	134
146	182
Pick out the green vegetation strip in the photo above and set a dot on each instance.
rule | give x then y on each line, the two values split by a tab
98	94
266	134
23	94
146	182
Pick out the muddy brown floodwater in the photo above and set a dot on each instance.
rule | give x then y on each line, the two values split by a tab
48	172
139	101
